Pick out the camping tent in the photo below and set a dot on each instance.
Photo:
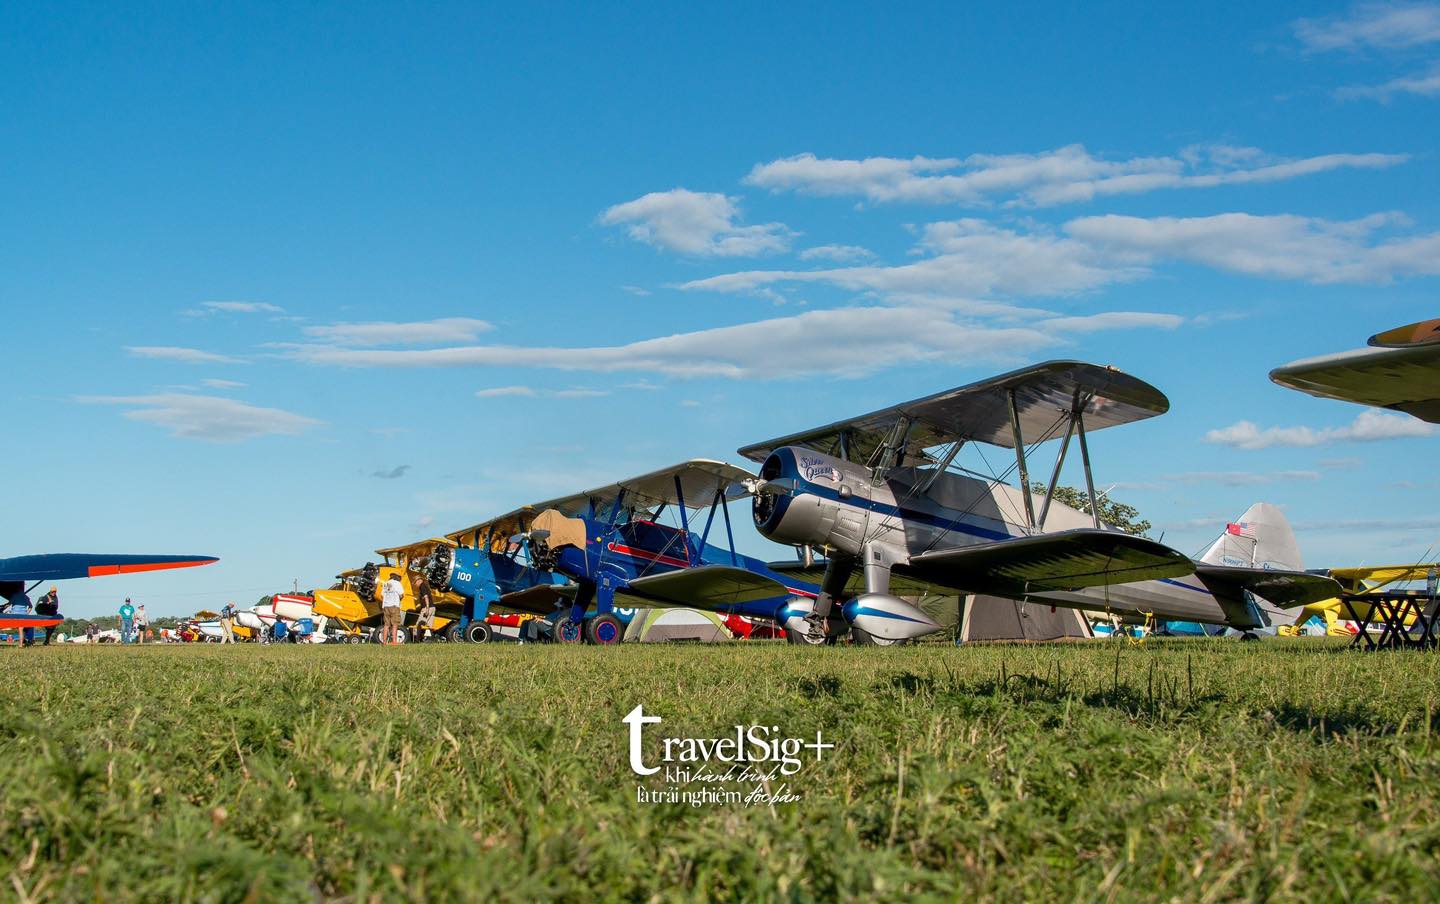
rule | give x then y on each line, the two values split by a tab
997	618
665	625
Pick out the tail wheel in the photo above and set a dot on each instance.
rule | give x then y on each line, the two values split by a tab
567	630
863	638
478	632
604	630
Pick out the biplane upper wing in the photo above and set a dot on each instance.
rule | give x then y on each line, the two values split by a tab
1359	579
695	482
1066	560
1286	589
1043	394
1401	371
420	546
63	566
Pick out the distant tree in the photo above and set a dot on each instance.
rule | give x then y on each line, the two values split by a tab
1113	513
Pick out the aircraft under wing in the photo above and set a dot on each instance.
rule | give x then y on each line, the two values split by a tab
1402	373
1371	577
981	411
1286	589
704	587
1066	560
64	566
541	599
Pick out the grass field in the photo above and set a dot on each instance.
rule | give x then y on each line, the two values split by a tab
1189	770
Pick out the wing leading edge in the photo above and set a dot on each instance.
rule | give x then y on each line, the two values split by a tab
64	566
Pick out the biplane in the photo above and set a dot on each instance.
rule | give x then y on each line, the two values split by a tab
612	544
882	495
487	568
1400	370
15	573
1358	586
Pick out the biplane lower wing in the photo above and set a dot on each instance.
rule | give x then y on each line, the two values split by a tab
1401	378
63	566
1286	589
1067	560
541	599
704	587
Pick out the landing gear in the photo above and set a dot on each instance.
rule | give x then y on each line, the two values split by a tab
803	637
604	630
1249	635
567	630
452	634
478	632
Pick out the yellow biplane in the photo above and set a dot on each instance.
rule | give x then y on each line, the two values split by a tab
352	603
1356	583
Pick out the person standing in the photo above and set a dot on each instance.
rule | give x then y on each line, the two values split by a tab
390	596
92	632
127	621
49	604
426	598
227	623
142	623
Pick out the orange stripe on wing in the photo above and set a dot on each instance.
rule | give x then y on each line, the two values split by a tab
98	570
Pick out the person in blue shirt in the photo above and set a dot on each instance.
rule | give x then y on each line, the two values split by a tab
20	605
127	616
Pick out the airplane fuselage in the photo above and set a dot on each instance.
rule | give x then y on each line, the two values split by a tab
827	502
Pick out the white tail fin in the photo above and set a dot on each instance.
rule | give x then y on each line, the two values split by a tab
1261	538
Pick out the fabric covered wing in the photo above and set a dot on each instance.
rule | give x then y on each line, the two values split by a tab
901	583
1286	589
705	587
1404	379
63	566
539	600
1067	560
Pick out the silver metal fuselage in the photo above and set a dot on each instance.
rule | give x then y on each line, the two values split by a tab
834	504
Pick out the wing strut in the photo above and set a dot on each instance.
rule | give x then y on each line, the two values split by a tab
1020	459
1059	461
1089	478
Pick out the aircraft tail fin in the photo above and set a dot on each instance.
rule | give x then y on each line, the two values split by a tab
1260	538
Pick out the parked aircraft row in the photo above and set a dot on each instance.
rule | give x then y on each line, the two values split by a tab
878	514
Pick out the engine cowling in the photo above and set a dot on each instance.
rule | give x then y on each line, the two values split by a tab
888	617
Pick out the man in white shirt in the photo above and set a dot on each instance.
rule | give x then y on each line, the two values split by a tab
391	593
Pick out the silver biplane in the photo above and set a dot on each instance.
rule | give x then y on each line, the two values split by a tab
880	495
1400	370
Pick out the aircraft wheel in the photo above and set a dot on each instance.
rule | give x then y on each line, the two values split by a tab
604	630
863	638
402	635
374	635
1249	635
478	632
567	630
453	635
803	638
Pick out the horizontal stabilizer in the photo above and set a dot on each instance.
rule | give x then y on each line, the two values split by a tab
705	587
1067	560
1286	589
64	566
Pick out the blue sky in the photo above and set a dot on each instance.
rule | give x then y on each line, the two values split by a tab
284	284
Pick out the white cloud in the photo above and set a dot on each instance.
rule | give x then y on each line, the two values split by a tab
242	307
1372	425
842	254
700	223
180	354
1372	25
1241	478
529	392
223	384
394	473
207	417
846	341
424	332
1282	246
965	258
1427	85
1111	320
1065	175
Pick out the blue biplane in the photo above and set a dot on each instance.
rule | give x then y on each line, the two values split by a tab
610	542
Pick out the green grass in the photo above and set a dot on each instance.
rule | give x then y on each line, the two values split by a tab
1189	770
